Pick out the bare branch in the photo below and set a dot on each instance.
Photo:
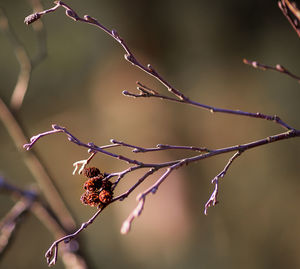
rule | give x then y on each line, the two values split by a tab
278	68
126	226
134	164
9	223
84	163
36	168
26	64
23	60
51	254
129	56
145	92
270	139
213	198
291	13
159	147
171	165
28	200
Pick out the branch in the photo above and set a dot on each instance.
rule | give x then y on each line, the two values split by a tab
171	165
36	168
278	68
147	92
51	254
135	164
213	198
91	146
9	222
159	147
15	130
129	56
84	163
29	201
26	64
291	13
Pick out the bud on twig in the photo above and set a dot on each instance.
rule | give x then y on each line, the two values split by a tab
90	19
32	18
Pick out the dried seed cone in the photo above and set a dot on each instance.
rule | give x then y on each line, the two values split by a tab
91	172
105	196
90	198
106	185
93	184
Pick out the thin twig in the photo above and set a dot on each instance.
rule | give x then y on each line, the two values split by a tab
26	64
211	109
51	254
159	147
23	60
36	168
129	56
29	201
126	226
9	223
133	187
84	163
278	68
214	196
291	13
134	164
14	128
58	129
171	165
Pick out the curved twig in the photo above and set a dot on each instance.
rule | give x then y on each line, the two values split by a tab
51	254
28	200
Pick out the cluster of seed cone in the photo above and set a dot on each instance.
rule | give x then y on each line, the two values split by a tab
98	190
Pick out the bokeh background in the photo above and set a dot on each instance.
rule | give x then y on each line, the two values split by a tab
198	46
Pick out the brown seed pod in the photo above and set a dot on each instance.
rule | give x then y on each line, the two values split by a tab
105	196
90	198
93	184
91	172
106	185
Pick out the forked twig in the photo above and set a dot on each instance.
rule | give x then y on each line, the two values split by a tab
209	108
51	254
129	56
213	198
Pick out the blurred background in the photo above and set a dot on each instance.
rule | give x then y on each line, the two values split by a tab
198	46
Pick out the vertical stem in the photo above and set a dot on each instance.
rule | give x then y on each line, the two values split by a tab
36	168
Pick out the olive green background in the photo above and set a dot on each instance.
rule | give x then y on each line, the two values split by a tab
198	46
